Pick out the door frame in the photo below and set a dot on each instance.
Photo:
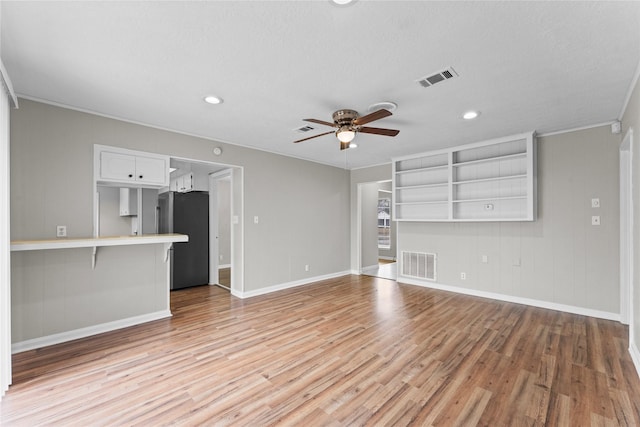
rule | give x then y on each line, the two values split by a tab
214	244
626	230
359	222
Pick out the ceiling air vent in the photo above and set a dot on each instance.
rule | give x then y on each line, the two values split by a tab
438	77
303	129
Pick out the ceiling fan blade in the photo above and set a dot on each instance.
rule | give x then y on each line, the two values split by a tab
314	136
321	122
344	145
379	131
376	115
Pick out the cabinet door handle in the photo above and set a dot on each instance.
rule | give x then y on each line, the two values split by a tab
130	175
140	177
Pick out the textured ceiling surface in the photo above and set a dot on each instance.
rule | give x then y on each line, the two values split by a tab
543	66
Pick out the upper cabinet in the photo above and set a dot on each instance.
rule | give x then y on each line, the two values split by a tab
117	166
486	181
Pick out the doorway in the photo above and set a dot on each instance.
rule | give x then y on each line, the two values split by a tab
376	230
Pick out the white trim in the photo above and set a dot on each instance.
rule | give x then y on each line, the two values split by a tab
632	86
387	258
626	228
179	132
370	268
287	285
88	331
635	357
221	266
509	298
359	226
5	251
560	132
6	81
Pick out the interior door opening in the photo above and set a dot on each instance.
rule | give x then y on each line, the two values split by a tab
376	231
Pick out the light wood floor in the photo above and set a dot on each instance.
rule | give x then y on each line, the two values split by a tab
355	350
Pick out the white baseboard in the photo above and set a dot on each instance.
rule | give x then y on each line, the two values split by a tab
635	355
371	268
221	266
518	300
288	285
88	331
387	258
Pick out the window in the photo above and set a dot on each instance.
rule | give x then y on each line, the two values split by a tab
384	223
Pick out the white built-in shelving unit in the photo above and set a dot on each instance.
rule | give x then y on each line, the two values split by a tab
486	181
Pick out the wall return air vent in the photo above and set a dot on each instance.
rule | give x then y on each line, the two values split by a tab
419	265
438	77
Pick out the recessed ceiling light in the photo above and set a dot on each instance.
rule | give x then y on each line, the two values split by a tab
213	99
342	2
470	115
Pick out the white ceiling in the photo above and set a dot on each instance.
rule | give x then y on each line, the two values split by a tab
544	66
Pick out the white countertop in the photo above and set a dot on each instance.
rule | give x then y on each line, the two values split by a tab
94	242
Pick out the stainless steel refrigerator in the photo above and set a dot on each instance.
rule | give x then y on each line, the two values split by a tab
186	213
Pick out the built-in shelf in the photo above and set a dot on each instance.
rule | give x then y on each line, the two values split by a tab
410	187
488	199
422	203
497	178
490	159
97	242
486	181
428	168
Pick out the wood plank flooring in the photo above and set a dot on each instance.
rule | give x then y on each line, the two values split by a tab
350	351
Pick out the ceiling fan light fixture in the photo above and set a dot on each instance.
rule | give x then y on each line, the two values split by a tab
345	134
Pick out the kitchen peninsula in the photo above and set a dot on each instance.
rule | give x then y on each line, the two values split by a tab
126	284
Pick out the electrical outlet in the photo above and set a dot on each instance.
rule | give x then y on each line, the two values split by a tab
463	276
221	257
485	259
595	203
61	231
595	220
306	267
255	219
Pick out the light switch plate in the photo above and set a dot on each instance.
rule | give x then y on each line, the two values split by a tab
595	203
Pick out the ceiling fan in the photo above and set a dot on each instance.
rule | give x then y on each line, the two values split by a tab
349	122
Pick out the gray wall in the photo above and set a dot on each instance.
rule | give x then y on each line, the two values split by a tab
57	291
631	120
562	258
51	184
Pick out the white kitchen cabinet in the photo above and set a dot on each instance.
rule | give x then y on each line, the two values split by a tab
128	202
119	166
183	183
486	181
